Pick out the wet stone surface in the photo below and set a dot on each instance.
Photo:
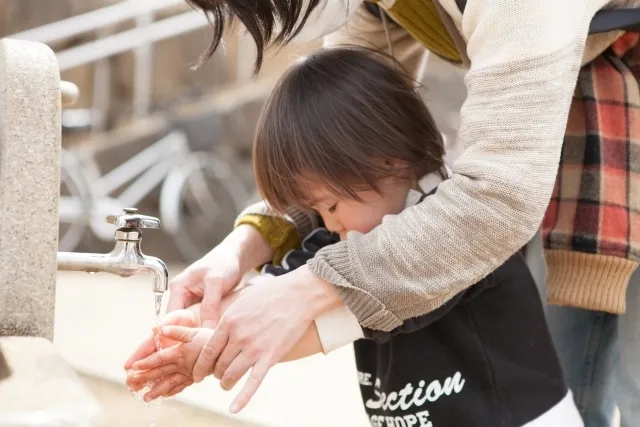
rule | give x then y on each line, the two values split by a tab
122	409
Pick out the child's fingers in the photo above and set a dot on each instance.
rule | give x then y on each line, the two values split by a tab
164	386
179	318
133	385
160	358
179	388
154	374
147	347
179	333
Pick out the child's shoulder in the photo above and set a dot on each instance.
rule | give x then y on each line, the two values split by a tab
311	243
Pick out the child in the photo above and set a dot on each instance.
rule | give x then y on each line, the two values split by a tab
345	135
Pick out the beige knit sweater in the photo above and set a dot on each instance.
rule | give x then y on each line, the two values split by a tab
525	57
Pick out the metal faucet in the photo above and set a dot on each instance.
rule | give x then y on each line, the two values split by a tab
126	259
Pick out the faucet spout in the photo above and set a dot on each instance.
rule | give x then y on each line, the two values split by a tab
158	270
126	259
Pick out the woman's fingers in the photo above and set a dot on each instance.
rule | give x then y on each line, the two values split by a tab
179	295
210	307
161	358
153	374
164	386
258	373
209	354
228	356
236	369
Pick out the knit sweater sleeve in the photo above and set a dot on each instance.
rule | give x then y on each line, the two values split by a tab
525	59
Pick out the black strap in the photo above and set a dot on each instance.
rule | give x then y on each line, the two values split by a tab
615	19
424	196
373	9
603	21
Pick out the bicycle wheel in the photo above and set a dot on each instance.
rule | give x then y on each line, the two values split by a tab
73	208
199	202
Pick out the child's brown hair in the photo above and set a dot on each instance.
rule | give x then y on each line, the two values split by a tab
344	117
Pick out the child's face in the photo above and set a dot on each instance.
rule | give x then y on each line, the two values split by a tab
342	215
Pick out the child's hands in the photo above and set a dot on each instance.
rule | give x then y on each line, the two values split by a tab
167	367
164	380
150	345
155	342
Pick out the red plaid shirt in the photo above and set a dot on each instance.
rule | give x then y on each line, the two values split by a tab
592	226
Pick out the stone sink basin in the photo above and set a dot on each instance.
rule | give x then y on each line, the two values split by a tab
42	390
121	410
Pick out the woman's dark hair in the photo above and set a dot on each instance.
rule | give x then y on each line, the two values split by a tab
260	17
343	117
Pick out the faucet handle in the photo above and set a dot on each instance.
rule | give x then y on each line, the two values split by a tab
130	219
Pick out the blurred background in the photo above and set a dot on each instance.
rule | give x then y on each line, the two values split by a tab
150	132
145	118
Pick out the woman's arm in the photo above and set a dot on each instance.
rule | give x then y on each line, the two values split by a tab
525	61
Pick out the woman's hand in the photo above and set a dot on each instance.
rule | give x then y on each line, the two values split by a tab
261	327
218	273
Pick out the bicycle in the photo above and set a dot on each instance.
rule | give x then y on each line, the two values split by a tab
198	192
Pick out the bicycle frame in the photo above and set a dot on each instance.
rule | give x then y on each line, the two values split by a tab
151	166
144	171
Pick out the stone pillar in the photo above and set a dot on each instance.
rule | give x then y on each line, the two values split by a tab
29	187
5	370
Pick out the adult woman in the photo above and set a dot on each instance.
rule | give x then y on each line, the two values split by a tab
523	63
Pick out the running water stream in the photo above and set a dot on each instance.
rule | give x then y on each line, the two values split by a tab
139	395
158	301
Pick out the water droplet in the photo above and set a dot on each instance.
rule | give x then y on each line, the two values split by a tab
92	273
